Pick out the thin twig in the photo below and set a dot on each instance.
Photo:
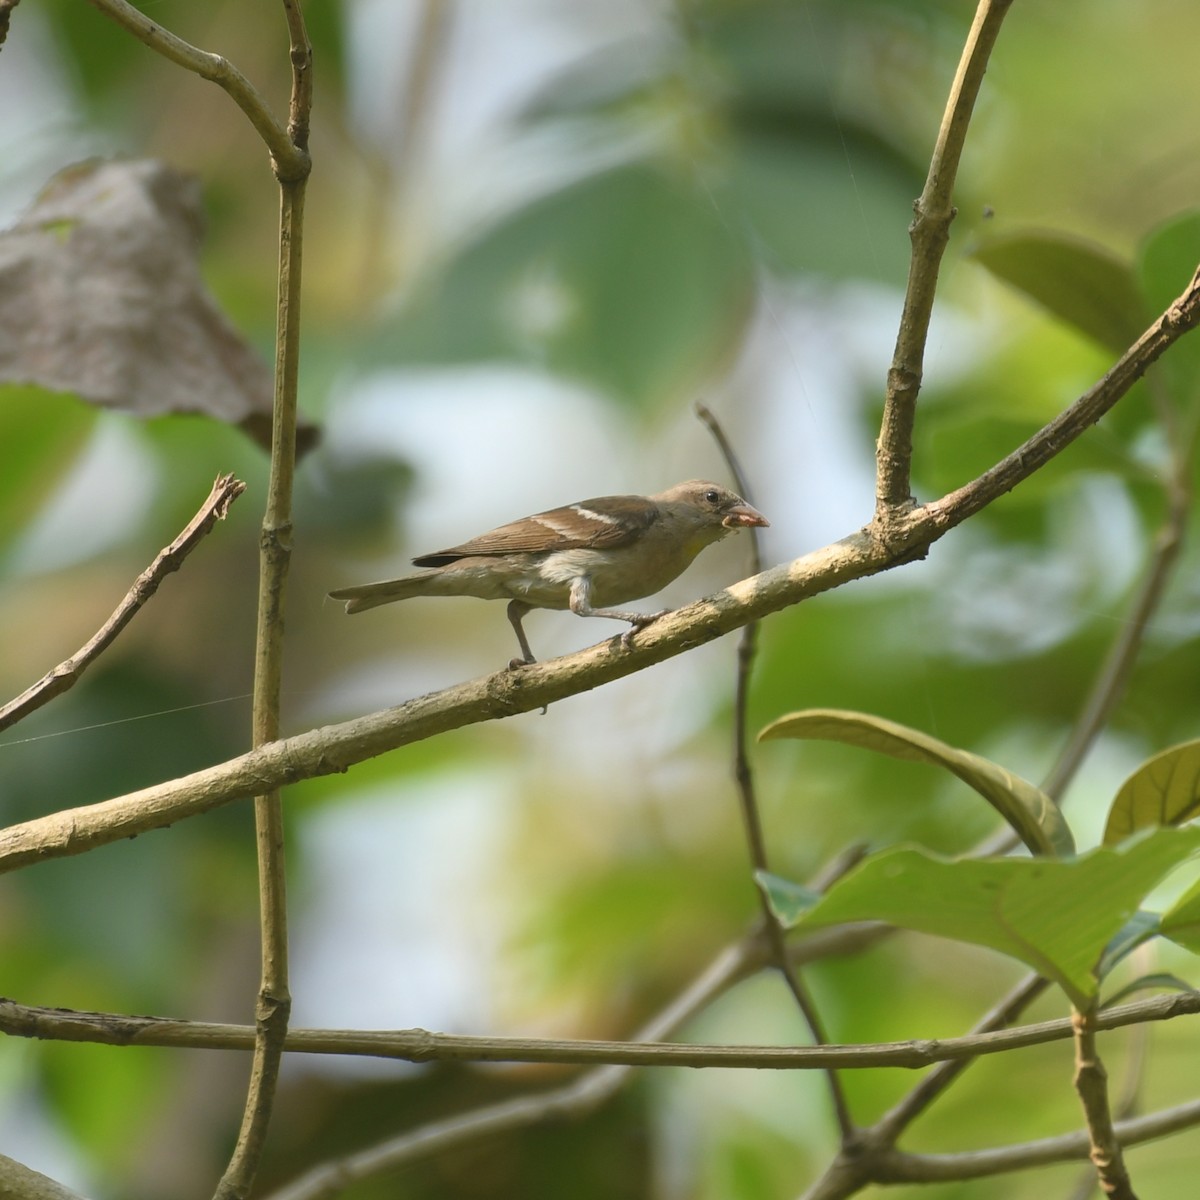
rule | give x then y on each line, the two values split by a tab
930	233
421	1046
224	492
290	159
748	801
274	1002
899	1167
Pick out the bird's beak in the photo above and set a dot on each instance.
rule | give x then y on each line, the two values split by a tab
744	516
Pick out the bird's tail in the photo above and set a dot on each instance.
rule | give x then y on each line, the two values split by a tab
371	595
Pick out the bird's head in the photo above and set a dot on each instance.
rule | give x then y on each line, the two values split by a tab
714	505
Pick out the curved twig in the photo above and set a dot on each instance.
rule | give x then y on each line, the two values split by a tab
224	492
291	160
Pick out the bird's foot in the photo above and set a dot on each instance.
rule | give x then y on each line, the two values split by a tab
639	621
515	664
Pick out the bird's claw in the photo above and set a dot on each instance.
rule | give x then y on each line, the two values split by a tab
639	621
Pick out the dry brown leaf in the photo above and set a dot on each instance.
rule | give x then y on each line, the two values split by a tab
101	296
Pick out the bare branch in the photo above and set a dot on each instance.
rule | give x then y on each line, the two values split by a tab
18	1182
900	1167
930	232
507	693
290	160
274	1003
224	492
419	1045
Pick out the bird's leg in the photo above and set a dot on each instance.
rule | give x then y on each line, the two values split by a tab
517	609
580	604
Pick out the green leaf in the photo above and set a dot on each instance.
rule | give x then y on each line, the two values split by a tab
1158	981
1031	813
1079	282
1166	262
1056	915
42	433
1181	923
1138	930
1168	258
629	279
789	901
1164	790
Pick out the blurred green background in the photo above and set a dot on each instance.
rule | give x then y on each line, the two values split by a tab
538	232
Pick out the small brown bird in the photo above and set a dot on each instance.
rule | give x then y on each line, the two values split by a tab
583	556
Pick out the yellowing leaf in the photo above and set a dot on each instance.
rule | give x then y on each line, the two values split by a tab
1031	813
1164	790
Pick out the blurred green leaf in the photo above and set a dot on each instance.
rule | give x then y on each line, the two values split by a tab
1081	283
628	279
1167	259
837	207
1056	915
132	1085
1140	928
41	432
1031	813
789	901
1164	790
1158	981
1181	923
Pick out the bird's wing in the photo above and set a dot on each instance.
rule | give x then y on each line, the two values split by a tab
602	523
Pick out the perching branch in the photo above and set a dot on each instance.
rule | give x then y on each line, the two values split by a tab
335	748
224	492
930	232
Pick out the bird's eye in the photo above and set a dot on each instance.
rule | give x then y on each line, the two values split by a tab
712	496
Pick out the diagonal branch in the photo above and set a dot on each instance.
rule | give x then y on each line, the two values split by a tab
335	748
224	492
